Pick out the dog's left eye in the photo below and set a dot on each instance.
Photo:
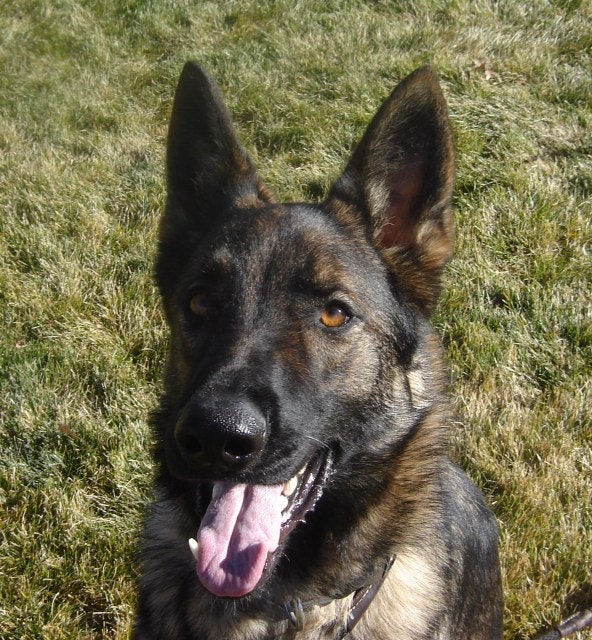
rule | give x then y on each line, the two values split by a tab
199	304
335	315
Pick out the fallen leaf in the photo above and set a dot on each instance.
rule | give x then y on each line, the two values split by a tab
482	64
65	429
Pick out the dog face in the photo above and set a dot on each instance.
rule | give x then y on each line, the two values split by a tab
283	337
301	358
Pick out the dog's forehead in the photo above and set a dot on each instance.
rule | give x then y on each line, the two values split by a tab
293	240
285	223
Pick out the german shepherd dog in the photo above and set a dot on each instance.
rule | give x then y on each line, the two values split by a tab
301	441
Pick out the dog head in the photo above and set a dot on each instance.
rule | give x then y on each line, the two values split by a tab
299	332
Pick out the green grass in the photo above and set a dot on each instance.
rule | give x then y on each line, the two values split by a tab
85	93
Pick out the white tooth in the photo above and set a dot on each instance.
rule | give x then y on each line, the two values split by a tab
193	545
283	502
290	486
301	471
217	490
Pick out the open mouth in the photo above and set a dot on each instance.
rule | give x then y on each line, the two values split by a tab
244	526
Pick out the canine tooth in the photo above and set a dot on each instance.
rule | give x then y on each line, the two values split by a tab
193	545
290	486
301	471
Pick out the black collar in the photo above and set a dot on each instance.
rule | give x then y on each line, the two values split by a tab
362	599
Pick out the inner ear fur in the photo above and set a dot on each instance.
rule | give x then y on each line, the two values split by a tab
398	186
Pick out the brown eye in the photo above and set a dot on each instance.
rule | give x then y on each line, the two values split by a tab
199	304
335	315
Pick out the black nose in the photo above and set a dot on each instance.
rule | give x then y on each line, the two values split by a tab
223	438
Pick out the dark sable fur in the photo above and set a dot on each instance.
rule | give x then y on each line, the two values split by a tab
373	391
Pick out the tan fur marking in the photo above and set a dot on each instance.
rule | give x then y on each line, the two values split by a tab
407	601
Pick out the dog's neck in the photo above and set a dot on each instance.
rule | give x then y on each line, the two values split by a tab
295	610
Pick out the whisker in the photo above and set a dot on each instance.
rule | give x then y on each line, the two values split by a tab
323	444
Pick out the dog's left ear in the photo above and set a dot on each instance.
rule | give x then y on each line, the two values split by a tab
398	186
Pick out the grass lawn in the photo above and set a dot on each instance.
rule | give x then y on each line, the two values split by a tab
85	93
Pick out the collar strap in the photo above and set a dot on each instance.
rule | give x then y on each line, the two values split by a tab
362	599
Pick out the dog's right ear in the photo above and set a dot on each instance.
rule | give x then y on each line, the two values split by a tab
208	171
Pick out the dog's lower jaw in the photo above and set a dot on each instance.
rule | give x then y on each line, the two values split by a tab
245	526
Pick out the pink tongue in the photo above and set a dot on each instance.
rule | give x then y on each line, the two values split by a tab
240	527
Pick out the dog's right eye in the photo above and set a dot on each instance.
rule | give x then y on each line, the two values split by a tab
199	304
335	315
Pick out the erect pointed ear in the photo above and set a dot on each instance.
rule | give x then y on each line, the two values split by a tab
208	171
398	184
